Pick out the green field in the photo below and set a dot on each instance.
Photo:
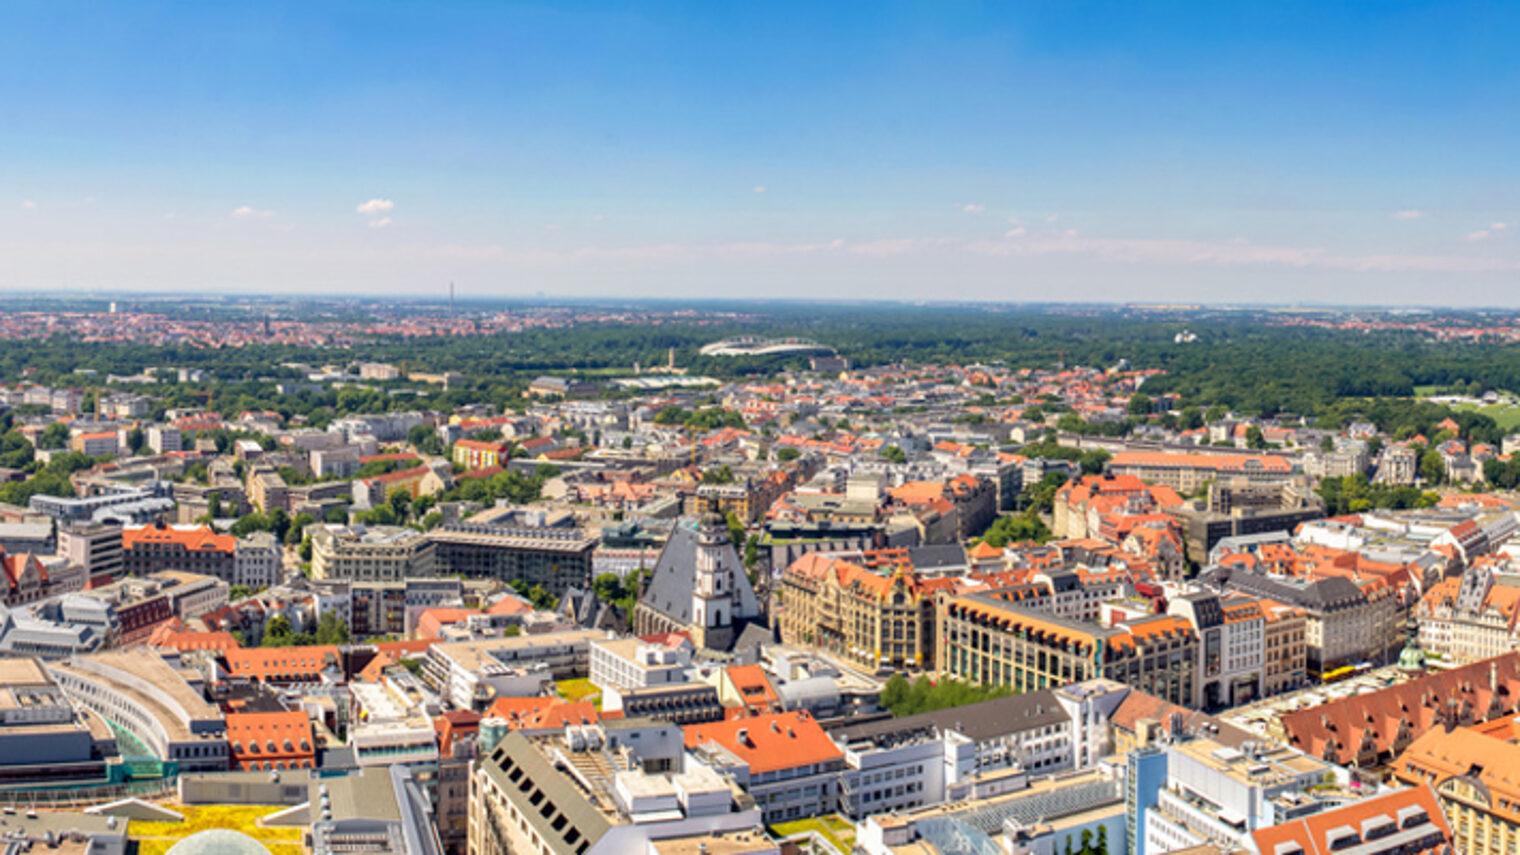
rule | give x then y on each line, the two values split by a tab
155	838
836	828
579	689
1505	416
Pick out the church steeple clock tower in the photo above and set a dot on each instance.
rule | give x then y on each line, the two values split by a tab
713	591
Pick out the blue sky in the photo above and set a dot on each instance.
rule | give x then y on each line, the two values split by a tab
1358	153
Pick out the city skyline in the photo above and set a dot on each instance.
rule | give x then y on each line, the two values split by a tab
1177	153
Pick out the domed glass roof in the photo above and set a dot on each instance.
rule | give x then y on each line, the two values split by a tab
218	841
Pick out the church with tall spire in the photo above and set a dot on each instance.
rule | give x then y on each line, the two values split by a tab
699	587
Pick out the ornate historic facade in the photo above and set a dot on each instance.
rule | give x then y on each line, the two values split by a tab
880	620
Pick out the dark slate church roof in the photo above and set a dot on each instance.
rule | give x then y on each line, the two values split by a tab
669	592
1329	594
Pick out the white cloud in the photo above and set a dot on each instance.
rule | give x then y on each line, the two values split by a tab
598	217
973	208
28	204
759	188
1498	227
1233	253
1050	218
248	212
1480	234
1407	214
1018	242
376	206
380	223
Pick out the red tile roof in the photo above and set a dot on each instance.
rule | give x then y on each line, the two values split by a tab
768	743
542	713
280	664
202	539
259	739
1383	721
1218	462
1312	833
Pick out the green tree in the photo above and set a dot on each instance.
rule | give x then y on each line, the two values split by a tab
69	462
331	629
735	529
400	502
378	515
1093	460
1016	528
787	453
45	483
608	587
752	553
1071	423
425	439
15	451
671	415
1432	467
297	530
925	696
55	435
278	524
1140	404
894	454
1254	438
277	632
895	692
249	523
542	599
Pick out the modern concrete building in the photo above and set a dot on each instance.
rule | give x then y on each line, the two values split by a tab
140	693
470	674
377	553
985	639
562	794
551	557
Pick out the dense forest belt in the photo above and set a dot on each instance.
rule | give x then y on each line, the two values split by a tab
1249	365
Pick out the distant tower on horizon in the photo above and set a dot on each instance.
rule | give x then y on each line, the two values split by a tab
451	298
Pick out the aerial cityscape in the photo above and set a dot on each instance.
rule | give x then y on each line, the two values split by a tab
724	429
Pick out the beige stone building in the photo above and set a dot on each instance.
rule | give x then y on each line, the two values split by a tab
879	620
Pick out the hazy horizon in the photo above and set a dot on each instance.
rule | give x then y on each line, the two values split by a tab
1107	153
